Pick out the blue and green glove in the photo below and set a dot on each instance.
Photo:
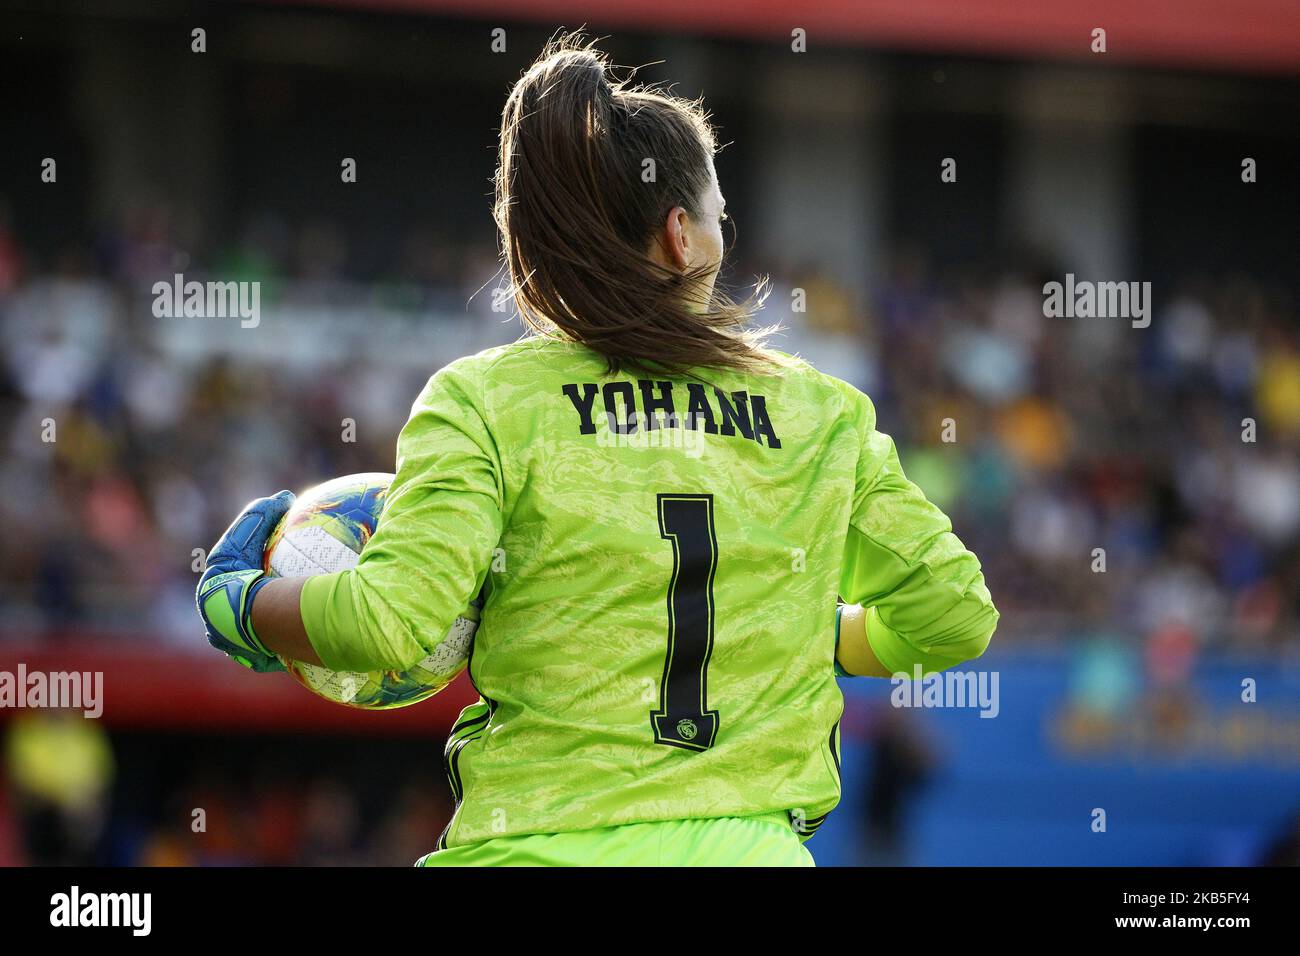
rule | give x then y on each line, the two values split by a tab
232	579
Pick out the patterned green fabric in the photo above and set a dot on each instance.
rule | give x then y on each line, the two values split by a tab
662	559
721	841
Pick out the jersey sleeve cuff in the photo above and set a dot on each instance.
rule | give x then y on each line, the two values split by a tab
961	642
343	629
326	608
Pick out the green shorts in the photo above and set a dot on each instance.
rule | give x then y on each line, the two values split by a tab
724	841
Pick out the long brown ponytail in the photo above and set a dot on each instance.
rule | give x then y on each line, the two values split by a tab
576	217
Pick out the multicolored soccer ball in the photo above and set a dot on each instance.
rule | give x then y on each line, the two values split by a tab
325	531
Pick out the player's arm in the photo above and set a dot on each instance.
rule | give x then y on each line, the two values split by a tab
277	620
926	600
417	573
428	556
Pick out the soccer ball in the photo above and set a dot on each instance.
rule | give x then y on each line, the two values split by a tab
325	531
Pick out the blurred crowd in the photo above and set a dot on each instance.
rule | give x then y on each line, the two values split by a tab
1167	456
130	440
1124	487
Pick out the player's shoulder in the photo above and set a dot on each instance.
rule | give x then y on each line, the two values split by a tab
533	351
507	376
832	394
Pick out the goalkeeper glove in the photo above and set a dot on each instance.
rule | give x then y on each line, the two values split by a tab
232	579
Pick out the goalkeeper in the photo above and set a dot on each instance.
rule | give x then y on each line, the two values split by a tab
661	511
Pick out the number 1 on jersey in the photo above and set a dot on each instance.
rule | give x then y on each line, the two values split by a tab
683	718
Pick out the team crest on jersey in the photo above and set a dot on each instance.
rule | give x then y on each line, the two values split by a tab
686	729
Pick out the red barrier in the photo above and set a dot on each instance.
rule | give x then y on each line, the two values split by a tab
149	686
1251	35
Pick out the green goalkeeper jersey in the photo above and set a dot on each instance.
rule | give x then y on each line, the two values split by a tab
660	558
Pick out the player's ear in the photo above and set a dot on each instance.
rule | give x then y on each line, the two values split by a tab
674	239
